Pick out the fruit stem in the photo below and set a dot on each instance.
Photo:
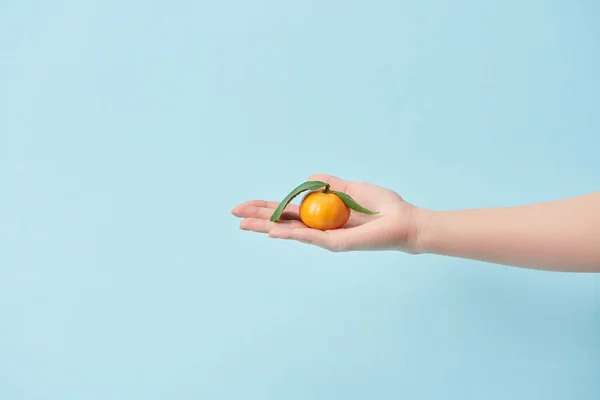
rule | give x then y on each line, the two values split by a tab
326	190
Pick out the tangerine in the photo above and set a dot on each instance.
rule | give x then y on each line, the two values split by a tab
324	210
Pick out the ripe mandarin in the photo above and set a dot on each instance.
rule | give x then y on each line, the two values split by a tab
324	211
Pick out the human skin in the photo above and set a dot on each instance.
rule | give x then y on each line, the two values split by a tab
562	235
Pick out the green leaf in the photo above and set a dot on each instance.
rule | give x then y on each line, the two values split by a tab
350	202
310	185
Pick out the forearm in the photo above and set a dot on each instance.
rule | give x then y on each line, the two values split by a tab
561	235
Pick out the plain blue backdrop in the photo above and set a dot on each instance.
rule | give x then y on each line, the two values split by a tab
129	129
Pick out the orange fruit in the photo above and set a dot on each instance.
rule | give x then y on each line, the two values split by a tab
324	211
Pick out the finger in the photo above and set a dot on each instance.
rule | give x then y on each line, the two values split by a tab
253	204
270	204
264	225
305	235
250	211
335	182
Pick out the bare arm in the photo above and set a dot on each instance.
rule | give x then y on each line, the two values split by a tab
562	235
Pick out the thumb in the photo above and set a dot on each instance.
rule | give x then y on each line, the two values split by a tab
335	182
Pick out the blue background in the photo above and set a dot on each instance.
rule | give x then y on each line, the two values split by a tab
129	129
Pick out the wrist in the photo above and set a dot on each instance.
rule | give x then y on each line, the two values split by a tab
423	231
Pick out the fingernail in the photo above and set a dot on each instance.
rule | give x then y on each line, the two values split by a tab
237	211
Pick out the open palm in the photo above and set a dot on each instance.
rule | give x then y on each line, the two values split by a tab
391	229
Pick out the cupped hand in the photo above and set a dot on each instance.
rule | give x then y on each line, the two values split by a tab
393	228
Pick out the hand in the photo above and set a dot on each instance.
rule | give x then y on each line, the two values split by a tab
394	228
